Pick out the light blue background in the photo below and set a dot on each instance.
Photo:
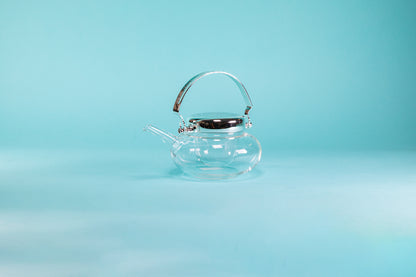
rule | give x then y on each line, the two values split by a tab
84	192
322	74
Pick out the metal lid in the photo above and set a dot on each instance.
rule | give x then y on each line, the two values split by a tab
218	121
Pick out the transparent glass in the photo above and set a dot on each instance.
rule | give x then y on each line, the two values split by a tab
212	155
213	145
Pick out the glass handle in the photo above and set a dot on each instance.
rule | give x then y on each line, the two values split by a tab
188	85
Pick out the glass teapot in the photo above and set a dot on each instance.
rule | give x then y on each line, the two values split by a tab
212	145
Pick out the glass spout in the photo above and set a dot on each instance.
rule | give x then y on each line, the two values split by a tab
165	136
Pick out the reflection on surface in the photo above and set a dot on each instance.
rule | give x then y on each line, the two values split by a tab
83	213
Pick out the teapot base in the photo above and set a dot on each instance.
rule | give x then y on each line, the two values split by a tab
214	172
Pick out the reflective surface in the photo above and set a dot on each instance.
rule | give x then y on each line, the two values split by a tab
114	213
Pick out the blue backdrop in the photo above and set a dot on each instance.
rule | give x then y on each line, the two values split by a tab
84	192
321	74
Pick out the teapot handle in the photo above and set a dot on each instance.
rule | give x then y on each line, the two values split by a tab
188	85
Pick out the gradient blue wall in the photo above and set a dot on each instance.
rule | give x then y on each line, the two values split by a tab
322	74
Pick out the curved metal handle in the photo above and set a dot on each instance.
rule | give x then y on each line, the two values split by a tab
188	85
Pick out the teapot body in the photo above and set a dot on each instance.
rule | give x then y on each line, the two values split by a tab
211	155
